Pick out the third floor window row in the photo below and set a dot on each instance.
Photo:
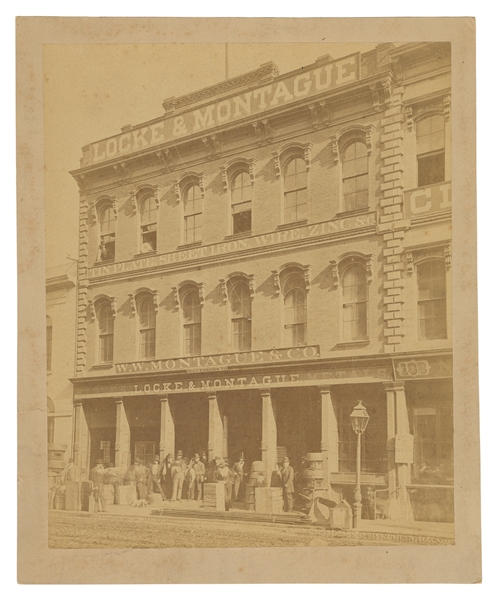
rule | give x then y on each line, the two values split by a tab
353	188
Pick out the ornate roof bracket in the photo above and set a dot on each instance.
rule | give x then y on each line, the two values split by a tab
263	131
123	170
165	158
320	114
212	145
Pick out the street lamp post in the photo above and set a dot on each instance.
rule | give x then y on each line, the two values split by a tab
359	419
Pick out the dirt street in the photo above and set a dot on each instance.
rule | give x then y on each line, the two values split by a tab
68	530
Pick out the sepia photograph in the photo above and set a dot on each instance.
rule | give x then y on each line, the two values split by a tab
249	294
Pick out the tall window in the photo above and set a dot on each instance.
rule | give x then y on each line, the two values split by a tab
49	344
430	141
148	224
241	317
295	190
355	176
192	323
355	311
193	215
106	333
433	443
147	317
295	304
241	202
432	309
107	247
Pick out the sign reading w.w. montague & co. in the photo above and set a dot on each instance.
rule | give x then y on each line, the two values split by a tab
261	99
220	361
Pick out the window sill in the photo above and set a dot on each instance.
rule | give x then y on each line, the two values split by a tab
145	254
237	236
102	367
293	224
351	344
104	262
192	245
357	211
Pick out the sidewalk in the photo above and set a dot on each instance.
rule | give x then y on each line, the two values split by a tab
379	529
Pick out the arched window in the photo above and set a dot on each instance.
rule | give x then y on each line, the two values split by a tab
295	306
107	221
355	176
148	224
241	202
146	319
50	421
241	316
355	305
49	344
295	190
192	323
193	214
432	309
106	332
430	150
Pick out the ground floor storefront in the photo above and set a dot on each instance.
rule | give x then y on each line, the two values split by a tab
300	410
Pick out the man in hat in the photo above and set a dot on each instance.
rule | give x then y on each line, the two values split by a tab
238	468
153	481
97	475
287	477
199	467
178	476
141	473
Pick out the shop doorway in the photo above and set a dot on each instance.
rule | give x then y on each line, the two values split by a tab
298	422
191	423
144	423
101	418
242	424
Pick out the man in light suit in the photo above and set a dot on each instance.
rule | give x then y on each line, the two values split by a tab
287	476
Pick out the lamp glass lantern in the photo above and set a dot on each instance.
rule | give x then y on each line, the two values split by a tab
359	418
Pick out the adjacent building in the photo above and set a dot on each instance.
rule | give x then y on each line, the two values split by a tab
61	343
263	255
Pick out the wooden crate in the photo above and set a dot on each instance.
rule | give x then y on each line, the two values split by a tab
269	500
214	496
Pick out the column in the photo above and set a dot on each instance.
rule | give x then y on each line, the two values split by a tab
269	435
400	451
81	441
225	435
123	437
167	430
329	435
215	445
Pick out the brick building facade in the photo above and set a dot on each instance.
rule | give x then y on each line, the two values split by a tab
268	252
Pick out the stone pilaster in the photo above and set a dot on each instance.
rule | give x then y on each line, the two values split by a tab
81	441
82	285
269	435
216	437
329	435
167	429
399	464
123	437
392	224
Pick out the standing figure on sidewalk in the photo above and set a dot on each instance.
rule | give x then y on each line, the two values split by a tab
97	475
154	478
222	473
190	477
199	467
287	477
178	478
166	477
141	473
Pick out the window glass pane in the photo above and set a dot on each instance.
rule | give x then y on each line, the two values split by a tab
431	169
295	174
242	222
148	211
241	190
193	200
107	221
